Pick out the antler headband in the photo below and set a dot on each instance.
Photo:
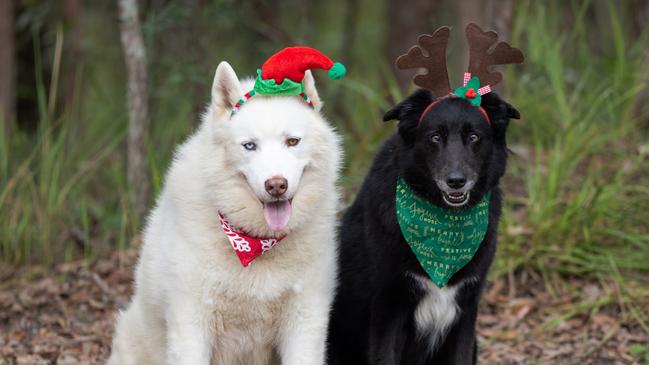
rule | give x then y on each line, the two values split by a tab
484	51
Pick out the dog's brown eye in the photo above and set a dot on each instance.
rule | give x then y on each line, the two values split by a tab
292	142
436	138
473	138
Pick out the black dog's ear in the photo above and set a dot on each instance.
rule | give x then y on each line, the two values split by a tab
408	112
512	112
413	104
499	112
497	108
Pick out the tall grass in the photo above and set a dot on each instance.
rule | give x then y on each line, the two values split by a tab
61	195
584	206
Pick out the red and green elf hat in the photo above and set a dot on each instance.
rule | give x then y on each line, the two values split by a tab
283	72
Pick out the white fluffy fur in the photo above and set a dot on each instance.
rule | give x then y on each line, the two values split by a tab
194	303
437	311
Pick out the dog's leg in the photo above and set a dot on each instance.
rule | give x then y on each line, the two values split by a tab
387	332
187	332
459	346
304	332
139	336
304	329
386	339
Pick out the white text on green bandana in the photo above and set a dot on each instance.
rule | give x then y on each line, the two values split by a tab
443	240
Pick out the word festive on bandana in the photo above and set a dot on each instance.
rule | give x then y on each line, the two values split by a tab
443	240
246	247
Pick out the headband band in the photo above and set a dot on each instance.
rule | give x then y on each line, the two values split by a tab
252	93
431	105
467	92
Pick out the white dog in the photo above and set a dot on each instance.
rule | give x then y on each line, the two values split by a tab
270	170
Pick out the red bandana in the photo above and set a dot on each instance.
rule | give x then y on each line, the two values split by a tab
247	247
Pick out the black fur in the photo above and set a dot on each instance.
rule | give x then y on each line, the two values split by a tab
373	316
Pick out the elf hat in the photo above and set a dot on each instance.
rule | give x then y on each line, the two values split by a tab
283	73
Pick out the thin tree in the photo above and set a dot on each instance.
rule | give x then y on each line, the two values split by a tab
138	103
501	13
640	12
7	65
407	19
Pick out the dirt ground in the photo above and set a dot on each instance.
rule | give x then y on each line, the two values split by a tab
66	315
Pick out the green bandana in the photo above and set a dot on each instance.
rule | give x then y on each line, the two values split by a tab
443	240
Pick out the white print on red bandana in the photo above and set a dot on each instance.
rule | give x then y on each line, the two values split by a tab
266	245
246	247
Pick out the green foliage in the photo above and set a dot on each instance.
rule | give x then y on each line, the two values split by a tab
584	206
62	191
640	353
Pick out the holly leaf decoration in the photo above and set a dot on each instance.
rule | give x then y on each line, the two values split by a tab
469	92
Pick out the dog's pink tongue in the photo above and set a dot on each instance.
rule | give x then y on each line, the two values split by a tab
277	214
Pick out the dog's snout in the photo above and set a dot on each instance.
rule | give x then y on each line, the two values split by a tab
276	186
456	181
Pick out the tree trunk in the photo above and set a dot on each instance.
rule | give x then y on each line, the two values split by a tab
350	29
640	103
639	10
138	103
500	12
469	11
407	19
7	66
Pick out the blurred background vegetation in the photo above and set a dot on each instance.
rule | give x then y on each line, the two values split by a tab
577	197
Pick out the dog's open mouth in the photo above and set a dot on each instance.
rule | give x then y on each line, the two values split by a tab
277	214
456	198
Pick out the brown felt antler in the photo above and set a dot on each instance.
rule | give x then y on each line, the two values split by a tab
436	77
480	59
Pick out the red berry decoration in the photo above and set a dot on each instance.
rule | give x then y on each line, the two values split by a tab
470	93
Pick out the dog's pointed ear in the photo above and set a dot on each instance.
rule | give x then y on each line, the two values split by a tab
311	91
226	89
411	106
500	112
409	111
497	108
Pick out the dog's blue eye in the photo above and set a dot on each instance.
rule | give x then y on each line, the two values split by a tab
473	138
250	146
436	138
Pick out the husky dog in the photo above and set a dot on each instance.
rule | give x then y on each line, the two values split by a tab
270	170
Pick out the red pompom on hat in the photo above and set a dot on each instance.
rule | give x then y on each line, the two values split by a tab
292	62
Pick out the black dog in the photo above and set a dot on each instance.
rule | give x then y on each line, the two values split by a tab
387	310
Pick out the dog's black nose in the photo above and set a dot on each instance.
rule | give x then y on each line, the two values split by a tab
276	186
456	181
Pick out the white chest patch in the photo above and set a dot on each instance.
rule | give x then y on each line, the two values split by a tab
436	311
